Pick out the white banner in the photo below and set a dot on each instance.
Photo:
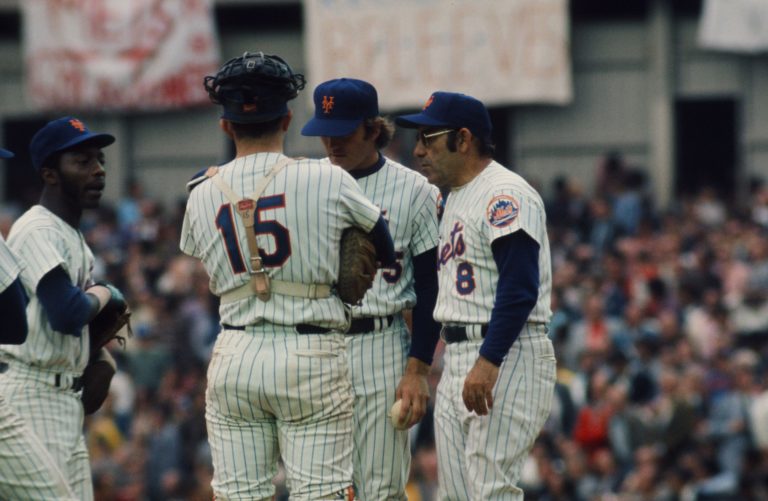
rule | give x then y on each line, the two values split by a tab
734	25
118	54
500	51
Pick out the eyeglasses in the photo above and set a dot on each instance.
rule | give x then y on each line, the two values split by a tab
426	138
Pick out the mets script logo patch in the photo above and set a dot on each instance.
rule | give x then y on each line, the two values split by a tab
502	210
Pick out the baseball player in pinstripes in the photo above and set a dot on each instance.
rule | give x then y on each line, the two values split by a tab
384	364
42	383
494	273
278	377
27	470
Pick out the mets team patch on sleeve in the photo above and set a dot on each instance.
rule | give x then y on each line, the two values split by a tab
440	206
502	211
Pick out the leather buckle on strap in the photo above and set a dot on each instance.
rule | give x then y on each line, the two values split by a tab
458	333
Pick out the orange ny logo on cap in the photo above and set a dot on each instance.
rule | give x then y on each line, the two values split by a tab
250	107
327	104
429	101
77	124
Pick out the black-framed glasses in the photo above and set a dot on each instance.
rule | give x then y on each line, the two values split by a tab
426	137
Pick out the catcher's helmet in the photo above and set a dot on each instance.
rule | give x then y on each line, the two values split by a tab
254	87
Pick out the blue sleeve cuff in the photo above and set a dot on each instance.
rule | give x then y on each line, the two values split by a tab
426	332
517	259
382	240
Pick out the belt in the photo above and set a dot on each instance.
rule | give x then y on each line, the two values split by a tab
457	333
369	324
300	328
60	382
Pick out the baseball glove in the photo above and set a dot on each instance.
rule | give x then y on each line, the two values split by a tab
357	266
110	321
96	379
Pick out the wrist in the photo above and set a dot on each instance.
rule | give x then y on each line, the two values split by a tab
416	366
101	293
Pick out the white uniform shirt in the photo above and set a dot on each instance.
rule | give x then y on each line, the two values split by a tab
497	202
42	241
300	217
408	203
9	266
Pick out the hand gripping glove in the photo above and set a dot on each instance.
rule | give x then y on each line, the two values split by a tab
357	266
96	379
110	320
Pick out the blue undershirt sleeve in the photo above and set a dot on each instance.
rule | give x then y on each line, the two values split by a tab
13	311
426	331
382	240
517	259
68	308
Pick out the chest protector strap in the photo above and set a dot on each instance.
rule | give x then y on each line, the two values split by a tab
260	284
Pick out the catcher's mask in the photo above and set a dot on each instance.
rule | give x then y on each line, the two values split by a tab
254	87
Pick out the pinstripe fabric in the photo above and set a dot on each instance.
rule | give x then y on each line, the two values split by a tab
55	415
377	359
42	241
9	266
466	215
382	455
320	201
27	470
271	391
480	457
409	204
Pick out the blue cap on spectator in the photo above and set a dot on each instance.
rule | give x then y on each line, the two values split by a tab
63	134
341	105
5	153
454	110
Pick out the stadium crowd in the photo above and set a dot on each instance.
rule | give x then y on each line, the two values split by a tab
660	324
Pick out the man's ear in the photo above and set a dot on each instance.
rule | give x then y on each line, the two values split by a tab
50	176
463	140
226	126
287	121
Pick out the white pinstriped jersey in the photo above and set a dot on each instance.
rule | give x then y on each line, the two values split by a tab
9	266
408	203
495	203
42	241
299	220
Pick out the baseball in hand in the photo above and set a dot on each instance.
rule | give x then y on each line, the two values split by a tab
394	416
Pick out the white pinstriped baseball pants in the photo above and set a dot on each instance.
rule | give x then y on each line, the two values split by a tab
382	456
27	471
275	393
55	416
480	457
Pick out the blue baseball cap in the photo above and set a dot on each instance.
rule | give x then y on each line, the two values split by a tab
341	105
5	153
454	110
63	134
